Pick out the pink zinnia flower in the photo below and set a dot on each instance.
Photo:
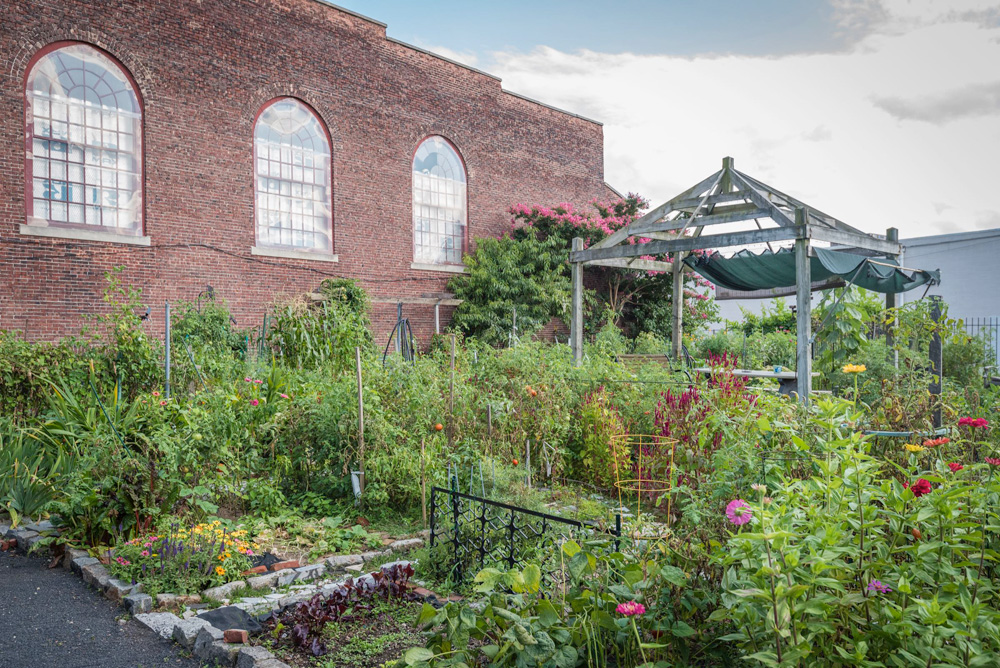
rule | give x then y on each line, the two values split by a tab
248	379
145	553
155	393
955	467
258	381
254	402
739	512
630	608
163	403
283	395
993	461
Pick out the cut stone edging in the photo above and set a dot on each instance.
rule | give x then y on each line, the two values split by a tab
197	635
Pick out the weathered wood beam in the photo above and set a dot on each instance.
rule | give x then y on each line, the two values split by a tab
793	204
758	198
576	312
803	312
856	239
659	212
690	243
721	198
430	301
702	221
636	263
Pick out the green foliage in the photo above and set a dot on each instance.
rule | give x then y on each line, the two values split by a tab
307	335
506	274
601	459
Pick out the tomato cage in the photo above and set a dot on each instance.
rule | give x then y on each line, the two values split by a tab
644	465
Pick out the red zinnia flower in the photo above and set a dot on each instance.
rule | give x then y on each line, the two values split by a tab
993	461
920	487
955	467
934	442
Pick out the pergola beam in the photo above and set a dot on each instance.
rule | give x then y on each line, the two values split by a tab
637	263
690	243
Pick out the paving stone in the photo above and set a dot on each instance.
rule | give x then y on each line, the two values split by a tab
160	623
117	590
339	561
368	556
286	577
223	653
96	575
186	631
22	536
398	562
406	544
232	617
78	564
188	599
4	528
252	657
207	635
31	541
354	568
273	663
223	591
261	581
238	636
167	601
40	527
310	573
138	603
71	554
256	570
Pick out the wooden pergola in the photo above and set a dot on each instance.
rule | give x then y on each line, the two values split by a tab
684	224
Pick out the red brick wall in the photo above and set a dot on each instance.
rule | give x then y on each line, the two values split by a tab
204	69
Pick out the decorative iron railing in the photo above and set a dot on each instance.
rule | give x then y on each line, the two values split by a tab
475	532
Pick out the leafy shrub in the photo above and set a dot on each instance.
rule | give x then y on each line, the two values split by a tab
601	459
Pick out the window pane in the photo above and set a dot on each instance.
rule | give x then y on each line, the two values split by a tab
80	96
287	136
439	203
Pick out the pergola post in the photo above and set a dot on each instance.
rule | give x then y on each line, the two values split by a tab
891	234
576	313
677	308
803	312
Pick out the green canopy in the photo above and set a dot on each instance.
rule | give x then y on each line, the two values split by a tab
747	271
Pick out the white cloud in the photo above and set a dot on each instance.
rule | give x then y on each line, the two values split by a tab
896	131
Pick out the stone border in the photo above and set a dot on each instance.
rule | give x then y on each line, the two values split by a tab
206	642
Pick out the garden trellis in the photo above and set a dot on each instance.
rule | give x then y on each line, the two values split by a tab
675	229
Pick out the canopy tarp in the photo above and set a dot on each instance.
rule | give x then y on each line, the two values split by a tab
748	271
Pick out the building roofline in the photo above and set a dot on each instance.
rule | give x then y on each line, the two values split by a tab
549	106
440	57
352	13
933	239
455	62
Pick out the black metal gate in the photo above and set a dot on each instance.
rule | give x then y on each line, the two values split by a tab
477	532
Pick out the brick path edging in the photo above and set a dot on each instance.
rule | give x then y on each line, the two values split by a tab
197	635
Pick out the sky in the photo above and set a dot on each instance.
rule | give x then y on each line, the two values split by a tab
883	113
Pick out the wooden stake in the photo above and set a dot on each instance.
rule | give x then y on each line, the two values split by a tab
451	397
361	419
423	481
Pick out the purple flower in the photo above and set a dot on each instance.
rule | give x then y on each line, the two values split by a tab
739	512
876	585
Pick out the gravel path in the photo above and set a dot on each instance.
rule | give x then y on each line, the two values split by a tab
50	618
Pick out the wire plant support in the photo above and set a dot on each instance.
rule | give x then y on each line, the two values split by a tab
640	473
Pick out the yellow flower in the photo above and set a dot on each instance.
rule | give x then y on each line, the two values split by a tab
221	557
912	447
854	368
219	570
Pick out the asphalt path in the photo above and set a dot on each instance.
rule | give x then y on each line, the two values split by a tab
51	619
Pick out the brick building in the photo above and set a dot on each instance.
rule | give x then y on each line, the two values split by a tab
257	146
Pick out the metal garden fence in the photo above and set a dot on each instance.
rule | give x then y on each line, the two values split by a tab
475	532
987	329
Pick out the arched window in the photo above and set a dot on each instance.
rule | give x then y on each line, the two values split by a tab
439	203
293	184
84	137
